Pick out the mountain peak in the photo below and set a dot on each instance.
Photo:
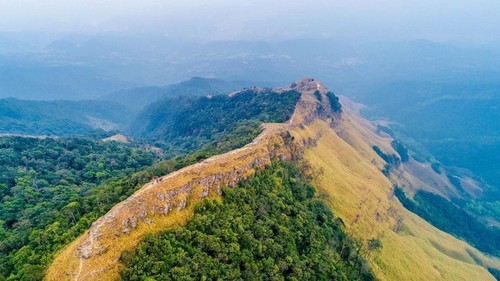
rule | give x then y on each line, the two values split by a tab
309	84
305	85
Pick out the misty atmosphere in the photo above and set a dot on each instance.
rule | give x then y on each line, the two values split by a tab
154	77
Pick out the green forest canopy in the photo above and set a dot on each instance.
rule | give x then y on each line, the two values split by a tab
186	124
269	227
50	192
446	216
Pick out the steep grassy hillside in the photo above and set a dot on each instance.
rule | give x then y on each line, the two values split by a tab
360	194
450	218
60	118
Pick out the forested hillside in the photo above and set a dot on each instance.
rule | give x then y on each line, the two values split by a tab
183	124
446	216
137	98
270	227
61	118
51	190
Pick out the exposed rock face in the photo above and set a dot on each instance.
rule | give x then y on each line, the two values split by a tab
175	190
98	250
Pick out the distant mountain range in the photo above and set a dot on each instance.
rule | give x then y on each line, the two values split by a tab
111	112
61	118
457	122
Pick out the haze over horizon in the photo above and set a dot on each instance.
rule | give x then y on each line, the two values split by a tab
444	21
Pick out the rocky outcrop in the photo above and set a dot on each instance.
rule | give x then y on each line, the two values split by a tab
186	186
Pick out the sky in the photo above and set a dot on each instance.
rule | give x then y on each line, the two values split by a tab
439	20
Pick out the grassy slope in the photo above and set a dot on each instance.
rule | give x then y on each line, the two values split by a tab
362	197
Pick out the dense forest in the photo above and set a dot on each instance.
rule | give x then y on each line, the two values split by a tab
186	124
270	227
391	160
401	150
334	102
53	189
50	192
446	216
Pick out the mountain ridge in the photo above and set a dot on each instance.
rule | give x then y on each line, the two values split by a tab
131	219
333	145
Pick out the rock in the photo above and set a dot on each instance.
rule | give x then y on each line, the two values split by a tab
204	192
166	209
133	222
181	205
160	196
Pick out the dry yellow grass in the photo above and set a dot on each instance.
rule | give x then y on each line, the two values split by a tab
118	137
67	266
362	196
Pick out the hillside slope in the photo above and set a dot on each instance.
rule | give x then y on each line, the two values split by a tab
138	98
363	197
180	125
339	147
61	117
458	121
